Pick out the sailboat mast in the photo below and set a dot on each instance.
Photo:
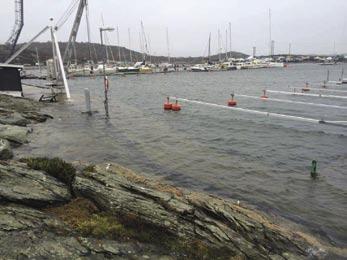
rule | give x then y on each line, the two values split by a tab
168	45
130	52
226	44
270	34
230	38
119	56
38	59
144	38
149	50
209	48
219	46
141	47
105	37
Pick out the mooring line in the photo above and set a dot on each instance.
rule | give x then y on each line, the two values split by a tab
305	94
267	114
293	102
321	89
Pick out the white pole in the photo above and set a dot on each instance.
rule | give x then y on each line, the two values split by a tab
87	98
66	86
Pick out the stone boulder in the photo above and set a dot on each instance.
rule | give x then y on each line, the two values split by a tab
16	134
36	117
25	186
9	117
5	150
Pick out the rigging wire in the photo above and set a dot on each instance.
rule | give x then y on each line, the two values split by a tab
66	15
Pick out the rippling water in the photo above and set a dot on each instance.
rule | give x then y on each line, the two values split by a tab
263	161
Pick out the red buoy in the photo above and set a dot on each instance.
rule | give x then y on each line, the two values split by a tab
232	102
306	88
167	105
176	106
264	96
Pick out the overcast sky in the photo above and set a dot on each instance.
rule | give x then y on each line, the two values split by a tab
311	26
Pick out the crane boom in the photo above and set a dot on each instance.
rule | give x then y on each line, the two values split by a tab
73	35
25	46
18	26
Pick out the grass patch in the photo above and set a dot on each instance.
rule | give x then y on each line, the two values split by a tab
104	226
87	220
55	167
75	212
89	168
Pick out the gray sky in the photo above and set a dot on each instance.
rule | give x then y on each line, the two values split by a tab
311	26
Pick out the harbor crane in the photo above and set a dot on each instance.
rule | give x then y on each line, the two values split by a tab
18	26
71	48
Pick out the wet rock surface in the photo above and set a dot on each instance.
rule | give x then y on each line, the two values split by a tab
15	115
27	233
20	184
5	150
16	134
218	222
29	230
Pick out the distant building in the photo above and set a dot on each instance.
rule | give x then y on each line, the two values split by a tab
10	80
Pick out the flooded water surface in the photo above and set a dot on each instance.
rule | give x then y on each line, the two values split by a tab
259	160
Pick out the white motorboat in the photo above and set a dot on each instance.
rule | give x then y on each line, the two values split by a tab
199	68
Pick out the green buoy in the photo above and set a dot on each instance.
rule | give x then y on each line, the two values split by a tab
314	169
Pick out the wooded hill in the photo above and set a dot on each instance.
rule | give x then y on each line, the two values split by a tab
98	53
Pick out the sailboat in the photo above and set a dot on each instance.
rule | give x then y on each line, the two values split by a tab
204	67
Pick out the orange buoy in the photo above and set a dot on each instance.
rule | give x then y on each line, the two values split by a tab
232	102
167	105
264	96
176	106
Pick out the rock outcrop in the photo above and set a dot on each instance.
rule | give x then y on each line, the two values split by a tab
5	150
34	188
15	115
27	233
220	223
29	230
15	134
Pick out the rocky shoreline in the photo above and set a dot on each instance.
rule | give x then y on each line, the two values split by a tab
53	209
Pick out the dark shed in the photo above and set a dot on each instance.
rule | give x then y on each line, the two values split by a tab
10	80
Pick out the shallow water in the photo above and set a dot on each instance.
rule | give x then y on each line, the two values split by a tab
263	161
